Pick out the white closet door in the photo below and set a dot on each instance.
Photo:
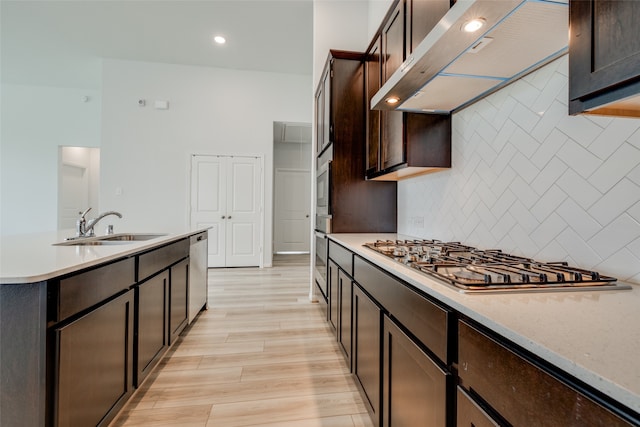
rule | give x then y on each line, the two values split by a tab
243	212
226	195
208	203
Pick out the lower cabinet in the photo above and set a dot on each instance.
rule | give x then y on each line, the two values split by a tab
522	393
470	414
95	364
332	277
367	322
414	387
178	309
345	297
151	323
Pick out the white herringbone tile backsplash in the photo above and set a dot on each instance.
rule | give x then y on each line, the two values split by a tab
529	179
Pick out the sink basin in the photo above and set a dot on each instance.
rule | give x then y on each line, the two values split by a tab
89	242
113	239
129	237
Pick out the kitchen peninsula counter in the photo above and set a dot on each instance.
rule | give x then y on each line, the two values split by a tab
30	258
593	336
75	318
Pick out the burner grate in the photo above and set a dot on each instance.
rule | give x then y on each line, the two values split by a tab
474	270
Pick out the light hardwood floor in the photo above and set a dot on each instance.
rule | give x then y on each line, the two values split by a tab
262	355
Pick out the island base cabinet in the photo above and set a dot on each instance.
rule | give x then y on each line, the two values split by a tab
95	362
415	388
179	296
367	319
151	323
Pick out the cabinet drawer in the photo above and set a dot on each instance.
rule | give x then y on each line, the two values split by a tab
424	319
342	257
469	414
91	287
158	259
521	392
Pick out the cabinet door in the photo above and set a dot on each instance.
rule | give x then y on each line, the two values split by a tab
415	388
422	16
345	290
320	117
393	151
178	313
393	42
95	364
604	46
327	124
373	83
332	277
366	349
469	414
151	310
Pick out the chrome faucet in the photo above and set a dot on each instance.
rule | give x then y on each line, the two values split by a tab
84	228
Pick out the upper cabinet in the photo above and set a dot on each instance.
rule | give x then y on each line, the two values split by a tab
421	17
355	205
604	57
450	63
400	145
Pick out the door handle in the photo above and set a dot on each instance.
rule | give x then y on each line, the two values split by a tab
229	216
223	217
307	216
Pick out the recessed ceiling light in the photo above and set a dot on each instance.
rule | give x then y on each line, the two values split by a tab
392	100
219	40
473	25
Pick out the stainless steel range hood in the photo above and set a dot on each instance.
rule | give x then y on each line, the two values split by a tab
451	68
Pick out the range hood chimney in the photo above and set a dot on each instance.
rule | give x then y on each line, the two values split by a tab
452	68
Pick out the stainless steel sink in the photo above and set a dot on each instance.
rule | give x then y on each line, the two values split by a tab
113	239
129	237
90	242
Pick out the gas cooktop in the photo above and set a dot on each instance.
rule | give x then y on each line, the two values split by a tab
474	270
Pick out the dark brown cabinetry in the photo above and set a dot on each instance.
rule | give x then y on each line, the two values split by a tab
332	276
420	363
367	321
521	392
94	364
151	326
414	387
401	145
178	313
323	112
341	296
356	205
470	414
604	57
91	339
393	41
421	17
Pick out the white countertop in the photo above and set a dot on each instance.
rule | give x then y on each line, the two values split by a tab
592	335
30	258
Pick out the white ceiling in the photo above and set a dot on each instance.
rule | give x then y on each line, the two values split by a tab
60	43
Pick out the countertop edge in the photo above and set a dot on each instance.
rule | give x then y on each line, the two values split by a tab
431	287
126	251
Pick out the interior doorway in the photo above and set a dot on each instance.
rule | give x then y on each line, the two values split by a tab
291	188
78	183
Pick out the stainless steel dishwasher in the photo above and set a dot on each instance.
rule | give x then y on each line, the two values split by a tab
198	274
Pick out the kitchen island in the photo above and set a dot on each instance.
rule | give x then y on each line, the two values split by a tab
84	321
589	340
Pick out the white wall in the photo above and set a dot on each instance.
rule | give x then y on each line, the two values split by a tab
531	180
145	151
338	25
36	120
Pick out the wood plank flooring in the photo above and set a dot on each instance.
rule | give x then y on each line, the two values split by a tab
262	355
